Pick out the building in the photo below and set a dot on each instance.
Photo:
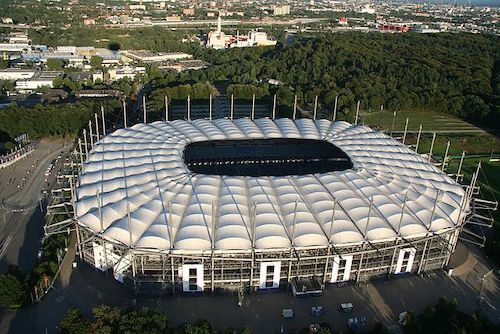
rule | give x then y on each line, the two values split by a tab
14	74
281	10
184	65
99	94
152	57
89	22
219	40
188	11
190	206
125	72
14	47
40	79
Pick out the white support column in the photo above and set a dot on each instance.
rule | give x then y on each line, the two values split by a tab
334	118
144	109
418	138
166	108
432	147
294	116
315	107
210	108
357	113
393	121
124	113
252	115
231	115
189	108
406	129
445	157
85	144
81	153
103	122
96	126
91	135
274	107
460	166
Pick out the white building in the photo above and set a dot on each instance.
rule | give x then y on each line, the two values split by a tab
281	10
217	39
66	49
151	57
40	79
14	47
14	74
126	72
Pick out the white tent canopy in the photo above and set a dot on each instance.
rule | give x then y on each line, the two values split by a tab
141	171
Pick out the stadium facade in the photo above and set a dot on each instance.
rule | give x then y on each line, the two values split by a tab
260	204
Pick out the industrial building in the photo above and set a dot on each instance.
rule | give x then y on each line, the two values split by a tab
212	205
218	40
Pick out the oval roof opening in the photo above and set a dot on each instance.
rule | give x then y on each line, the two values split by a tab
265	157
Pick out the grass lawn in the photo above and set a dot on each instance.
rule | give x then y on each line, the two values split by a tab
462	135
431	121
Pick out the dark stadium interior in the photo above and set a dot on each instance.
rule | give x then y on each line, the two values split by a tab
265	157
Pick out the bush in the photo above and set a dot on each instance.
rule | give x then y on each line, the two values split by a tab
12	291
74	322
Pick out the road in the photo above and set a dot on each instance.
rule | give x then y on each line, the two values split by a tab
22	208
380	301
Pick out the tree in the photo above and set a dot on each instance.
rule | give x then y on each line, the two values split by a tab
55	64
96	62
74	322
200	327
12	291
58	82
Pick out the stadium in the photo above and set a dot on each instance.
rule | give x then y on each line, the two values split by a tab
247	204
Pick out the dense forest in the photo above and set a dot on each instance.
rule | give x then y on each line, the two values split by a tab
457	74
50	120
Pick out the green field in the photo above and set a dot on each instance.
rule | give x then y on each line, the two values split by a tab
430	121
462	135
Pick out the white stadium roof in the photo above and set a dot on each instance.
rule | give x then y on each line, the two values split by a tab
141	170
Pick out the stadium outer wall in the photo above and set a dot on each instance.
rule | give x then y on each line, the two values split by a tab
220	271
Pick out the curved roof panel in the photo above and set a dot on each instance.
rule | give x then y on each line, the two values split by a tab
135	189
